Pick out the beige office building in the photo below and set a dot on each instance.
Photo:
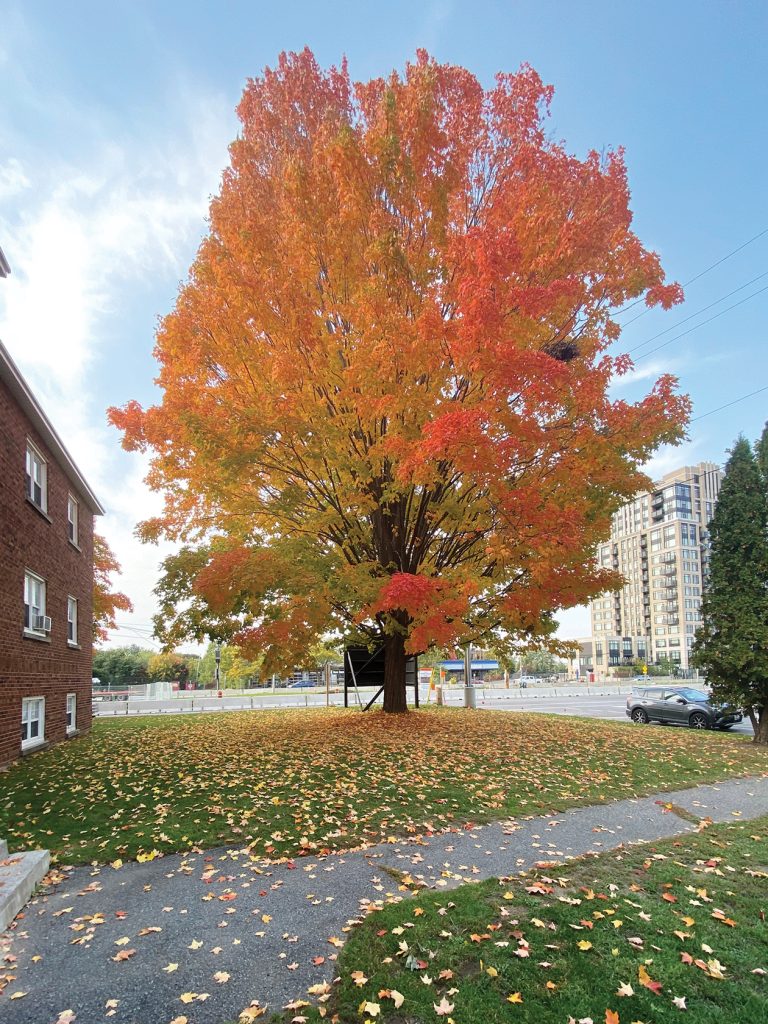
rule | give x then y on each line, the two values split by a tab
660	544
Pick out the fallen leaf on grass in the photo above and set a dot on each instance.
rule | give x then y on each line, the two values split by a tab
679	1002
720	916
515	998
645	979
625	989
391	993
443	1007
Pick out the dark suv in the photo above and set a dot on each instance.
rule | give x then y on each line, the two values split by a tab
678	705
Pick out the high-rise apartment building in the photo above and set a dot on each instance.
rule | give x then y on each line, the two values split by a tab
660	544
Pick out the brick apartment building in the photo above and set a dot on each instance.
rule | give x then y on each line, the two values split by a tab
46	577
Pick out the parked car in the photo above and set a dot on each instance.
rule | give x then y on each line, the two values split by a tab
679	705
301	684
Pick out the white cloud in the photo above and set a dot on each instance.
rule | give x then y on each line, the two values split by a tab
90	231
671	457
13	179
84	240
651	371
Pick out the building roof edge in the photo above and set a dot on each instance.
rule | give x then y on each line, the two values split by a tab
21	391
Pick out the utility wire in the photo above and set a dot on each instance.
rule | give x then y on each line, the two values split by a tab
703	322
696	278
728	404
698	312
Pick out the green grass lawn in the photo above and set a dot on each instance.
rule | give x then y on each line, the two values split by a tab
288	781
625	933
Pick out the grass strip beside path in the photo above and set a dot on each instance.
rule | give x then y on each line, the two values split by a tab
636	936
292	781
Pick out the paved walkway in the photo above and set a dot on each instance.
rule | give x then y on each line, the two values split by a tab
126	944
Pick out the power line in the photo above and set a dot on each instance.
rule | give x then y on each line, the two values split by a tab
729	404
698	312
697	276
703	322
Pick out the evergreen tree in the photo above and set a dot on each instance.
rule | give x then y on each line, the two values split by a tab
732	644
761	452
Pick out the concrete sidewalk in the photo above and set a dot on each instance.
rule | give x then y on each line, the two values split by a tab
127	944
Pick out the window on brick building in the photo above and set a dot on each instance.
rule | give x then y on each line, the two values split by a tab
37	478
34	604
71	620
71	712
72	517
32	721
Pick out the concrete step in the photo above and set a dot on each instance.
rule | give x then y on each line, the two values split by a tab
20	873
3	848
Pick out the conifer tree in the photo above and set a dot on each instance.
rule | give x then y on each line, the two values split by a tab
761	452
732	644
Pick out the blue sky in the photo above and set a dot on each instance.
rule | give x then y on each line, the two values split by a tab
114	129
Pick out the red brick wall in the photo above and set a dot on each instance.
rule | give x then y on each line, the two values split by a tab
28	540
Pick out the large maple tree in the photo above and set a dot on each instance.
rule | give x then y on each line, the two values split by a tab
385	405
106	601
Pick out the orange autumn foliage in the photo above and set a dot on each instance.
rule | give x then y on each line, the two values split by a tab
385	384
106	602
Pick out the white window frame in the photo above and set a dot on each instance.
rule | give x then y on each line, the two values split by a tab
73	519
36	467
27	719
71	713
32	579
72	621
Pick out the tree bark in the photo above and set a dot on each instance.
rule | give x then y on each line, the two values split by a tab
394	674
760	726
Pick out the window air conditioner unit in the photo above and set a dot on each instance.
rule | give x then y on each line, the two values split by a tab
43	622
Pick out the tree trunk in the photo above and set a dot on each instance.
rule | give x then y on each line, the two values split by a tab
394	674
761	725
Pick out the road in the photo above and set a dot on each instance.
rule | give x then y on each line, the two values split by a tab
609	704
610	707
